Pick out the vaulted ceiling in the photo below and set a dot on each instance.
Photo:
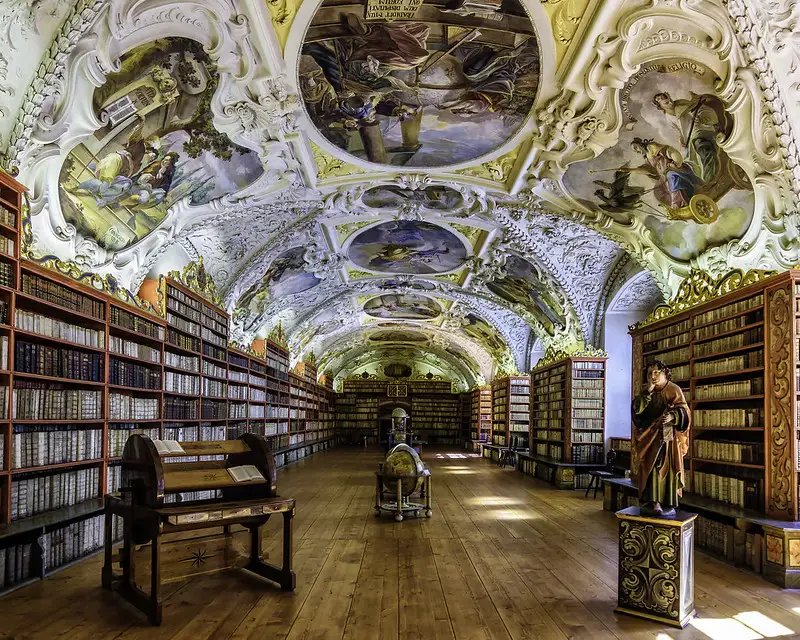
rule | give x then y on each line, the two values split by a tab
435	183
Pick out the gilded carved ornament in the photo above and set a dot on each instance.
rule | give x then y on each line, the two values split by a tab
194	277
700	287
552	355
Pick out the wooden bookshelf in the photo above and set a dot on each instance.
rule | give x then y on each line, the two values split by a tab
436	418
622	448
481	414
737	357
84	364
465	403
567	421
510	411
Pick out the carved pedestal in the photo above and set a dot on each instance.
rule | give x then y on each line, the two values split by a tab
656	566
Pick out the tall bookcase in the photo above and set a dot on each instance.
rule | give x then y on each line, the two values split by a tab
481	414
733	345
510	411
80	370
567	421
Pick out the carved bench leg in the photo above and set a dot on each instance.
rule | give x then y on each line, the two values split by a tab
108	542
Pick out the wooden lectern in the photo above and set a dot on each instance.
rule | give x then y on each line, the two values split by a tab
162	500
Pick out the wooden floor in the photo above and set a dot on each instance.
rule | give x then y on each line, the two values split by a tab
504	556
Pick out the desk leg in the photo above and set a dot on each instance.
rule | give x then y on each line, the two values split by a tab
428	510
399	514
108	542
288	581
155	580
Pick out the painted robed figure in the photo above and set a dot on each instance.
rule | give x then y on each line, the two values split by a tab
660	440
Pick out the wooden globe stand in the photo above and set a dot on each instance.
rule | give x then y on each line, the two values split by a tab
402	504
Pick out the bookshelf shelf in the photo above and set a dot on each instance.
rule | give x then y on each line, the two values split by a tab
59	466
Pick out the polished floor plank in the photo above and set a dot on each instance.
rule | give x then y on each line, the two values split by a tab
504	556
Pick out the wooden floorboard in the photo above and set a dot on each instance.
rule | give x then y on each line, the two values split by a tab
504	556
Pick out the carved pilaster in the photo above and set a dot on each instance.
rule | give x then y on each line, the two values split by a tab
781	486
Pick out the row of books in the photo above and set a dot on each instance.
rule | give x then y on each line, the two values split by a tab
187	326
587	436
6	275
588	364
136	323
181	383
749	360
180	361
119	433
728	343
183	341
730	389
237	411
214	388
214	410
729	310
242	376
213	351
668	342
729	325
750	417
128	407
130	374
236	392
671	357
180	408
45	360
39	492
34	401
588	402
729	451
733	485
587	384
579	424
15	563
588	375
52	328
76	540
591	454
134	349
184	309
737	546
40	445
58	294
211	369
8	218
214	338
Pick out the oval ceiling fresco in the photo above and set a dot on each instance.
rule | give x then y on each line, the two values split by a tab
158	145
407	247
419	83
669	167
397	335
403	307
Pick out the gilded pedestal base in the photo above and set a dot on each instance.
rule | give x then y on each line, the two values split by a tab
656	566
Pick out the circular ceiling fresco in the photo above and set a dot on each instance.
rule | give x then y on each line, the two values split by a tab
403	307
419	83
407	247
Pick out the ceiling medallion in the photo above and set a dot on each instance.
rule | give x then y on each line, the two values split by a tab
416	83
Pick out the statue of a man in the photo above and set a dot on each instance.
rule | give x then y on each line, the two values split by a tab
660	440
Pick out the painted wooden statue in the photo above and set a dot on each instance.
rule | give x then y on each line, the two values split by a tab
660	440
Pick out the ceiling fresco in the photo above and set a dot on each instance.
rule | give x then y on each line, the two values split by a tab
480	177
158	146
419	83
407	247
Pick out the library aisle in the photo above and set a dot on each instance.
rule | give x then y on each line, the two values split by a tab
505	556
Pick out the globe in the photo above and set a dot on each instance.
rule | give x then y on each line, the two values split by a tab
403	462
